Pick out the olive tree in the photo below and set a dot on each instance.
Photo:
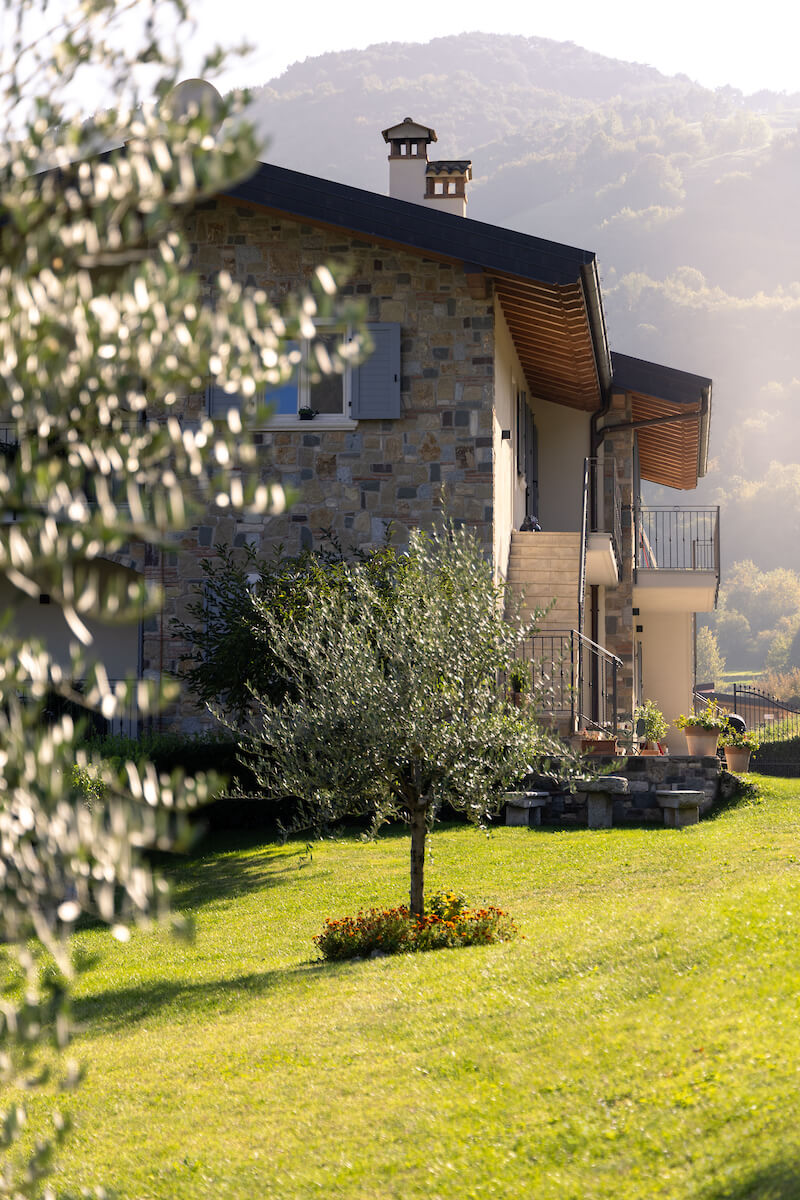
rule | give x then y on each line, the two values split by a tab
105	331
394	700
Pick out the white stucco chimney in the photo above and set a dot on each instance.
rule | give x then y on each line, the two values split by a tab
408	158
412	177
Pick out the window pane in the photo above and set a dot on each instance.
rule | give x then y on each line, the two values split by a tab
327	396
283	399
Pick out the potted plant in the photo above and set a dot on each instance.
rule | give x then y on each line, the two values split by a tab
738	747
650	727
598	741
519	679
703	729
306	413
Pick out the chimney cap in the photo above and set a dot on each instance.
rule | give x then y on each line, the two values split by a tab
450	166
409	128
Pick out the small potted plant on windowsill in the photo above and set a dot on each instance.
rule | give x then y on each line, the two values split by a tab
738	748
651	728
306	413
703	729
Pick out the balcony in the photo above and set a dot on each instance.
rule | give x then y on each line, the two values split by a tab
677	559
603	522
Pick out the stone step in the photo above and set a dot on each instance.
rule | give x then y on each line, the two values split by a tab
544	554
523	581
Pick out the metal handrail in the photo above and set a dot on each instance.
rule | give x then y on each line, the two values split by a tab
584	540
558	672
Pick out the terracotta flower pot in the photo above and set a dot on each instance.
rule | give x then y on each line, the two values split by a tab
599	746
701	742
737	759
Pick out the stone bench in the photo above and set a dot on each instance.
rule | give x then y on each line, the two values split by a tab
680	807
600	795
525	808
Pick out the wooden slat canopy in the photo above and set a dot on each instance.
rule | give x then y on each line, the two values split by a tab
668	453
549	326
673	453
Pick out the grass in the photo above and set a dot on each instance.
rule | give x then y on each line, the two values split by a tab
641	1041
745	677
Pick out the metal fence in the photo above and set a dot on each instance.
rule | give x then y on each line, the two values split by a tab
127	723
776	723
772	719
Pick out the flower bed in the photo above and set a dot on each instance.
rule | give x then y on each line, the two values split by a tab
447	923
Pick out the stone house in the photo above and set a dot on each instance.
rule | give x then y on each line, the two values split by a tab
492	377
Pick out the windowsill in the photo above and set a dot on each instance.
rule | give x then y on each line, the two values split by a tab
283	423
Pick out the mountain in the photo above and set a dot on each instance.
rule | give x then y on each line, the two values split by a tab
687	195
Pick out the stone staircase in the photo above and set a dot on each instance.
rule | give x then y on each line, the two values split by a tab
544	567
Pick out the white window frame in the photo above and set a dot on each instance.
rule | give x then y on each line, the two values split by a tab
342	420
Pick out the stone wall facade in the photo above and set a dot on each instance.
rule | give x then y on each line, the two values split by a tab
358	478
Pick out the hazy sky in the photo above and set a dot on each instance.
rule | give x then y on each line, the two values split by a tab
712	42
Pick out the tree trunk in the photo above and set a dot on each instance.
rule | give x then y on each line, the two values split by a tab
419	830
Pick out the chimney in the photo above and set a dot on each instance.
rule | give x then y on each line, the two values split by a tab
412	177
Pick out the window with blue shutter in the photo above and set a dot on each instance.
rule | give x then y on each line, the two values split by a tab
375	384
373	388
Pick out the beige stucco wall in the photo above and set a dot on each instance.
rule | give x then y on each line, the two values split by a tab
564	442
509	485
668	667
116	645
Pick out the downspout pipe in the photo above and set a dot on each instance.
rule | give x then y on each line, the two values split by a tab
602	354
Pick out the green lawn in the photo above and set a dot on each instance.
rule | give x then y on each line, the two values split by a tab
641	1041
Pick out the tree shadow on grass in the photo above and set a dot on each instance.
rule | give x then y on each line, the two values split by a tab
775	1181
202	881
124	1008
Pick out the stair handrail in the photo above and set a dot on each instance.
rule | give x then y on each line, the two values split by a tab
584	542
574	648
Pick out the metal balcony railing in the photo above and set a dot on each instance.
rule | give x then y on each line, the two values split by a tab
605	501
677	539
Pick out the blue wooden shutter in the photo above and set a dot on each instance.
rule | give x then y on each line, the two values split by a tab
375	389
219	401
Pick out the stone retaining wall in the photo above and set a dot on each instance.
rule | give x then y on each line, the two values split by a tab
645	774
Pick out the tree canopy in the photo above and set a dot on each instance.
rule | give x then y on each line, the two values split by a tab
393	700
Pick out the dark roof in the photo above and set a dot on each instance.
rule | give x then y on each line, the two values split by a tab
416	225
651	379
550	293
673	452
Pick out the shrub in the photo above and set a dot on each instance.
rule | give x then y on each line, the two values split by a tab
447	923
88	782
747	740
193	753
655	727
711	718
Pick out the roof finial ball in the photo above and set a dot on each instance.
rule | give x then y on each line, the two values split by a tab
194	96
